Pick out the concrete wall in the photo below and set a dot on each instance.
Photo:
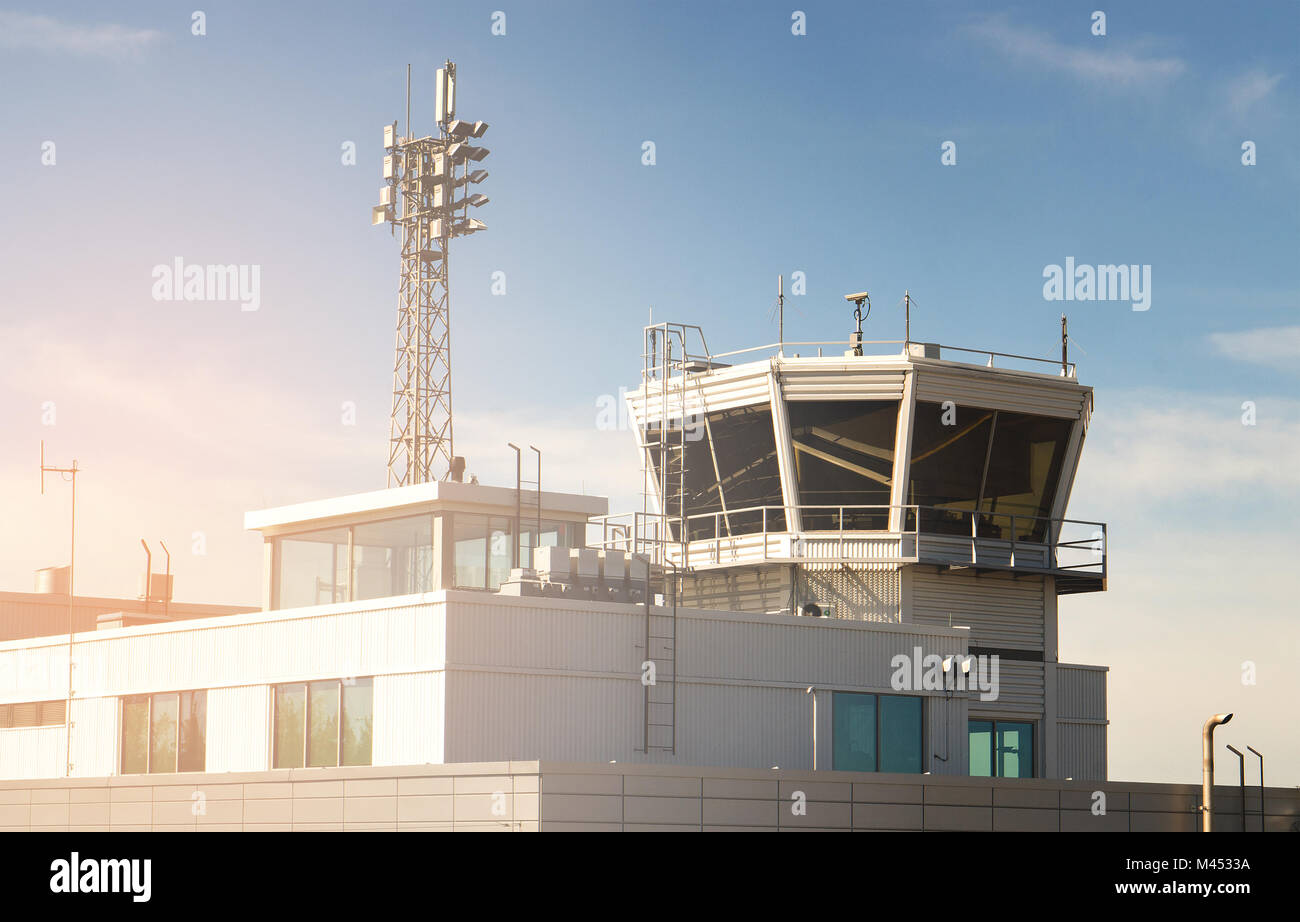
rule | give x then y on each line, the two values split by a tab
547	796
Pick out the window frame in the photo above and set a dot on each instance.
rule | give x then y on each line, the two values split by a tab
996	748
877	696
305	752
148	699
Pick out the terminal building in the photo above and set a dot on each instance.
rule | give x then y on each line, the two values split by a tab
845	572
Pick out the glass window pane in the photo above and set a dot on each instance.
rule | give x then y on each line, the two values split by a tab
1024	467
1016	749
323	715
290	724
193	730
135	735
358	719
854	733
844	456
948	452
394	557
470	538
900	734
500	553
730	459
981	748
162	733
312	568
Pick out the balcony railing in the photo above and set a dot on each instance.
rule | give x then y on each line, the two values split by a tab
861	534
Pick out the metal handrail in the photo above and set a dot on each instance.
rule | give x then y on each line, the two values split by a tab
654	531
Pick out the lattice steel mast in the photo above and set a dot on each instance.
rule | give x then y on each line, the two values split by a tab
420	200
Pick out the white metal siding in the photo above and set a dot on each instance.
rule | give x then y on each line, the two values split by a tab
32	752
843	382
239	729
1000	390
1019	693
1001	610
409	717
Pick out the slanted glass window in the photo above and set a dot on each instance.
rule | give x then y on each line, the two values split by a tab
844	456
393	557
876	733
730	465
166	732
312	568
324	724
949	448
1024	467
1001	749
999	463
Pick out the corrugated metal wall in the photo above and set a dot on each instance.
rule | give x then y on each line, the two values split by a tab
1081	751
1003	390
409	719
1002	610
760	589
818	380
239	731
33	752
1081	692
1019	693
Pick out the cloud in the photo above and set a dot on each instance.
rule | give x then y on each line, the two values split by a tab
1151	447
43	33
1276	347
1246	91
1120	69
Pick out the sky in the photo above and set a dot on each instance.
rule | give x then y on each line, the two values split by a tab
130	141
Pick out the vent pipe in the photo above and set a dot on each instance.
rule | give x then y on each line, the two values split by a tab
1207	770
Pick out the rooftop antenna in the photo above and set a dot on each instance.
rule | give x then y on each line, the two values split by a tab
907	320
857	298
780	307
1065	345
423	178
68	473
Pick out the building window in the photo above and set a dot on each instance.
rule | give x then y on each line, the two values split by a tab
997	462
730	465
483	555
372	560
1001	749
32	714
876	733
324	724
312	568
165	732
844	456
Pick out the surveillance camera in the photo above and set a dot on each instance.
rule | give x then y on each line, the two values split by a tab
859	296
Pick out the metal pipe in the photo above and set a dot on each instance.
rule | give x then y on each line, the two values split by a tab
1207	770
148	571
167	580
537	536
1241	782
812	690
518	487
1262	814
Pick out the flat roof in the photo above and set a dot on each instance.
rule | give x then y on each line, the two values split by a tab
436	494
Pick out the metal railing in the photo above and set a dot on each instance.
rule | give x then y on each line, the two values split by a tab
859	533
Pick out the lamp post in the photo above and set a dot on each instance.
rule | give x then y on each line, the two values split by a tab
1241	783
1262	813
812	690
72	563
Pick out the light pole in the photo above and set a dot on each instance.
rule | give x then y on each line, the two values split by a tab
72	563
1262	814
812	690
1241	783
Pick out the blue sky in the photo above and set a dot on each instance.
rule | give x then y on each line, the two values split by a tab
775	153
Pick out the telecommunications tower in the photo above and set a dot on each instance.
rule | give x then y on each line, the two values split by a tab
426	197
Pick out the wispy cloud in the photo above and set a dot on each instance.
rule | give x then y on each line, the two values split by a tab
1277	347
1250	88
1103	64
44	33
